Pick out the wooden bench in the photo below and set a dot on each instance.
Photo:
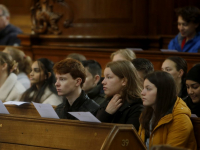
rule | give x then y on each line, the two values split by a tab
25	109
22	133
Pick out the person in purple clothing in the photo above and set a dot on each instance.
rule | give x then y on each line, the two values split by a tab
188	39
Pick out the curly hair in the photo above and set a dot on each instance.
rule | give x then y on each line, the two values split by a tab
189	14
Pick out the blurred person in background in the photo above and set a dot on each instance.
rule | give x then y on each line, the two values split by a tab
8	32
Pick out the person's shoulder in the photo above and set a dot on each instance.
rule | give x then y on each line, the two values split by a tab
13	29
180	107
99	99
174	41
62	105
90	104
135	101
18	85
53	99
197	40
136	104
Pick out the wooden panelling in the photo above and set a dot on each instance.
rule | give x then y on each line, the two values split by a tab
103	55
106	17
100	17
20	14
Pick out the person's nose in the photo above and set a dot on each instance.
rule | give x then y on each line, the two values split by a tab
181	27
190	91
57	83
31	73
103	82
143	92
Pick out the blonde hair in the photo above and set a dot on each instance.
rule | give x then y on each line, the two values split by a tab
24	62
126	53
125	69
11	64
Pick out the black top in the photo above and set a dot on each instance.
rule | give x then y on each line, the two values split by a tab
183	92
128	113
82	104
97	94
8	36
194	107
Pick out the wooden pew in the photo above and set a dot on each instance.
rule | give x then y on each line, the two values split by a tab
22	132
25	109
196	126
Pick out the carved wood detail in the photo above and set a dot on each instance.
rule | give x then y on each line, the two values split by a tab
45	19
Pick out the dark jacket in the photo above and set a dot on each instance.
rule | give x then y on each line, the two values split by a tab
8	36
183	92
128	113
194	107
82	104
97	94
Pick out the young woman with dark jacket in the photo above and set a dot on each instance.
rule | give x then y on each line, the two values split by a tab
122	88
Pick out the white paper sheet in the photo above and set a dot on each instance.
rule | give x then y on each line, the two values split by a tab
194	116
168	50
3	109
85	116
45	110
16	103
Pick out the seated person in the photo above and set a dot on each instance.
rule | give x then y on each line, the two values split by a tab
123	54
10	88
70	76
92	85
188	39
24	65
143	67
8	32
42	88
166	118
193	89
76	56
177	67
122	88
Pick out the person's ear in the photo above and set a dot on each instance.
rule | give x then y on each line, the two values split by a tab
6	20
4	66
7	17
78	81
96	79
181	72
124	82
